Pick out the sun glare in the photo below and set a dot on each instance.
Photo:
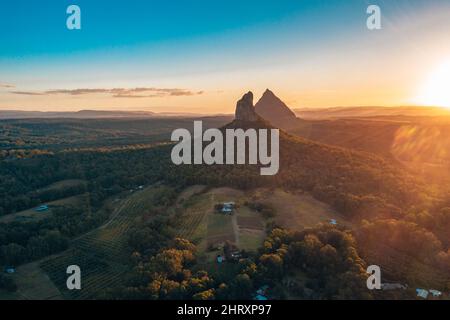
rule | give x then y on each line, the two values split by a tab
436	89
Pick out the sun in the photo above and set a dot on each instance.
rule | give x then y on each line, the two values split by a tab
436	89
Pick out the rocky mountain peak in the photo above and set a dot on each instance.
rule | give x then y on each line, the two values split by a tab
245	111
273	109
270	106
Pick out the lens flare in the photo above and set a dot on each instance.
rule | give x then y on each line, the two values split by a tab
436	90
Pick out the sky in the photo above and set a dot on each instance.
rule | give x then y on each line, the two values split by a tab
201	56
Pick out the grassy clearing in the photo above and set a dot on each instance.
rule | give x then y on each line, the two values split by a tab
297	211
220	229
251	240
187	193
33	284
31	214
246	228
249	219
250	226
63	184
202	225
4	295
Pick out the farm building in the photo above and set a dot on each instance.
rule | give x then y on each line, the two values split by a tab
228	207
41	208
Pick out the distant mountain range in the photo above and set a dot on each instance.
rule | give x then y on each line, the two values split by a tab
90	114
359	112
269	107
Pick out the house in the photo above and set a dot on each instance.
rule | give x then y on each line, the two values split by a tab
41	208
435	293
227	207
236	255
422	293
261	293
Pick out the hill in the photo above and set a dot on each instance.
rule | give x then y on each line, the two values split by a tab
352	182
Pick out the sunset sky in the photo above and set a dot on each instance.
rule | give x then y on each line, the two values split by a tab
200	56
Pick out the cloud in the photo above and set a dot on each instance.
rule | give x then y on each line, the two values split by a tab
118	92
28	93
6	85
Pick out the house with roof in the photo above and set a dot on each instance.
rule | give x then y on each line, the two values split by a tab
435	293
422	293
261	293
228	207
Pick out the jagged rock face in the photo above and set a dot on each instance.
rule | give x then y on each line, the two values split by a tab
245	111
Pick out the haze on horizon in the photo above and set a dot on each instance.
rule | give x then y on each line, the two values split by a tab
199	56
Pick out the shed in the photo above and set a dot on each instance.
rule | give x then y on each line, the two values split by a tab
422	293
10	270
435	293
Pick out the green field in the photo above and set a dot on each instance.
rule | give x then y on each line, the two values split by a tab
297	210
33	284
246	228
61	185
208	229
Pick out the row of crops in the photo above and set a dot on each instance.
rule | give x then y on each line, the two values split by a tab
102	254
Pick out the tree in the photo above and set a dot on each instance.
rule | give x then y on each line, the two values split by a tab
12	254
205	295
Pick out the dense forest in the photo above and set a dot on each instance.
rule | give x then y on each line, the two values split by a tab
387	202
